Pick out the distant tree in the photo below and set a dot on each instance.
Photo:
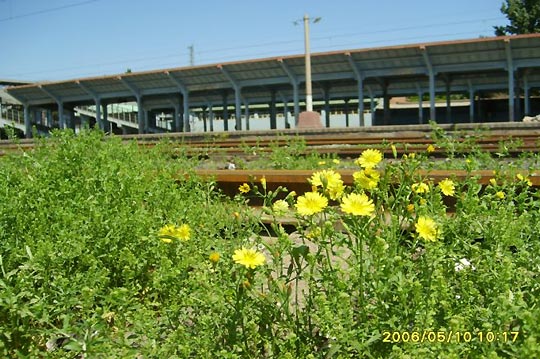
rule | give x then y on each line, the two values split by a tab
524	17
128	71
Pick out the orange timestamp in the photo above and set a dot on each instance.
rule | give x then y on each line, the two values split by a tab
443	336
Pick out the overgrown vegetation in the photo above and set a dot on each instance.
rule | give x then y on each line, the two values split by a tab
108	250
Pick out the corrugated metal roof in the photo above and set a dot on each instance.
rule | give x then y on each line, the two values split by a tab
481	63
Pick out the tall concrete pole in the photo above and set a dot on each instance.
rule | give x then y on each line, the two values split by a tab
309	97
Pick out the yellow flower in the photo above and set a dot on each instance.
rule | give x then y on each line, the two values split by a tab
183	232
500	194
292	194
166	240
263	182
280	206
324	178
410	207
423	201
493	181
369	159
311	203
430	148
358	205
244	188
520	177
447	187
426	228
322	163
420	187
330	181
336	161
214	257
367	179
169	230
250	258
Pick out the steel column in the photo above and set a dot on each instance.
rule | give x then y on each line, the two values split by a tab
431	74
237	96
225	112
187	124
420	104
359	76
448	102
347	112
526	96
511	85
27	122
246	113
273	122
295	83
471	101
211	116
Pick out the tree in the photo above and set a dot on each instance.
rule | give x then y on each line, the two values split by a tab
524	17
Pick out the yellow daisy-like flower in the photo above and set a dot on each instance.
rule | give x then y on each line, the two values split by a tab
420	187
500	194
367	179
311	203
447	187
369	159
183	232
493	181
430	148
329	180
410	207
168	230
324	178
426	228
336	161
263	182
214	257
321	163
166	240
358	205
280	206
248	257
244	188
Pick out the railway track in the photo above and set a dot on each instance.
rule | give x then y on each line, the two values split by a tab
512	138
296	180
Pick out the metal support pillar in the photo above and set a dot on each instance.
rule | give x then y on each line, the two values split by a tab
372	106
225	112
105	121
237	96
187	124
273	122
359	76
326	92
511	85
448	102
471	102
386	105
347	112
205	129
420	104
431	74
27	122
140	116
211	116
61	119
246	113
285	110
177	123
295	83
526	96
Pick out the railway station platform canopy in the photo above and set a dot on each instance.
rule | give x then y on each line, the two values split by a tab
509	64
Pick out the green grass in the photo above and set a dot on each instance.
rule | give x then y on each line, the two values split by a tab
84	271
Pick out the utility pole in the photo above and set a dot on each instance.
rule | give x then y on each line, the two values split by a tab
191	55
308	118
309	96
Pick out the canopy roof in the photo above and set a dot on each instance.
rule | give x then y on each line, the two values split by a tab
479	64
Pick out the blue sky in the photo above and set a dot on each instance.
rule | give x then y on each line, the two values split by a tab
65	39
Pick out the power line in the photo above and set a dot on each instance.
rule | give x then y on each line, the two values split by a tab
45	11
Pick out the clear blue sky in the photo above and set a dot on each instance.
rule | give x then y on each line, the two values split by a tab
65	39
